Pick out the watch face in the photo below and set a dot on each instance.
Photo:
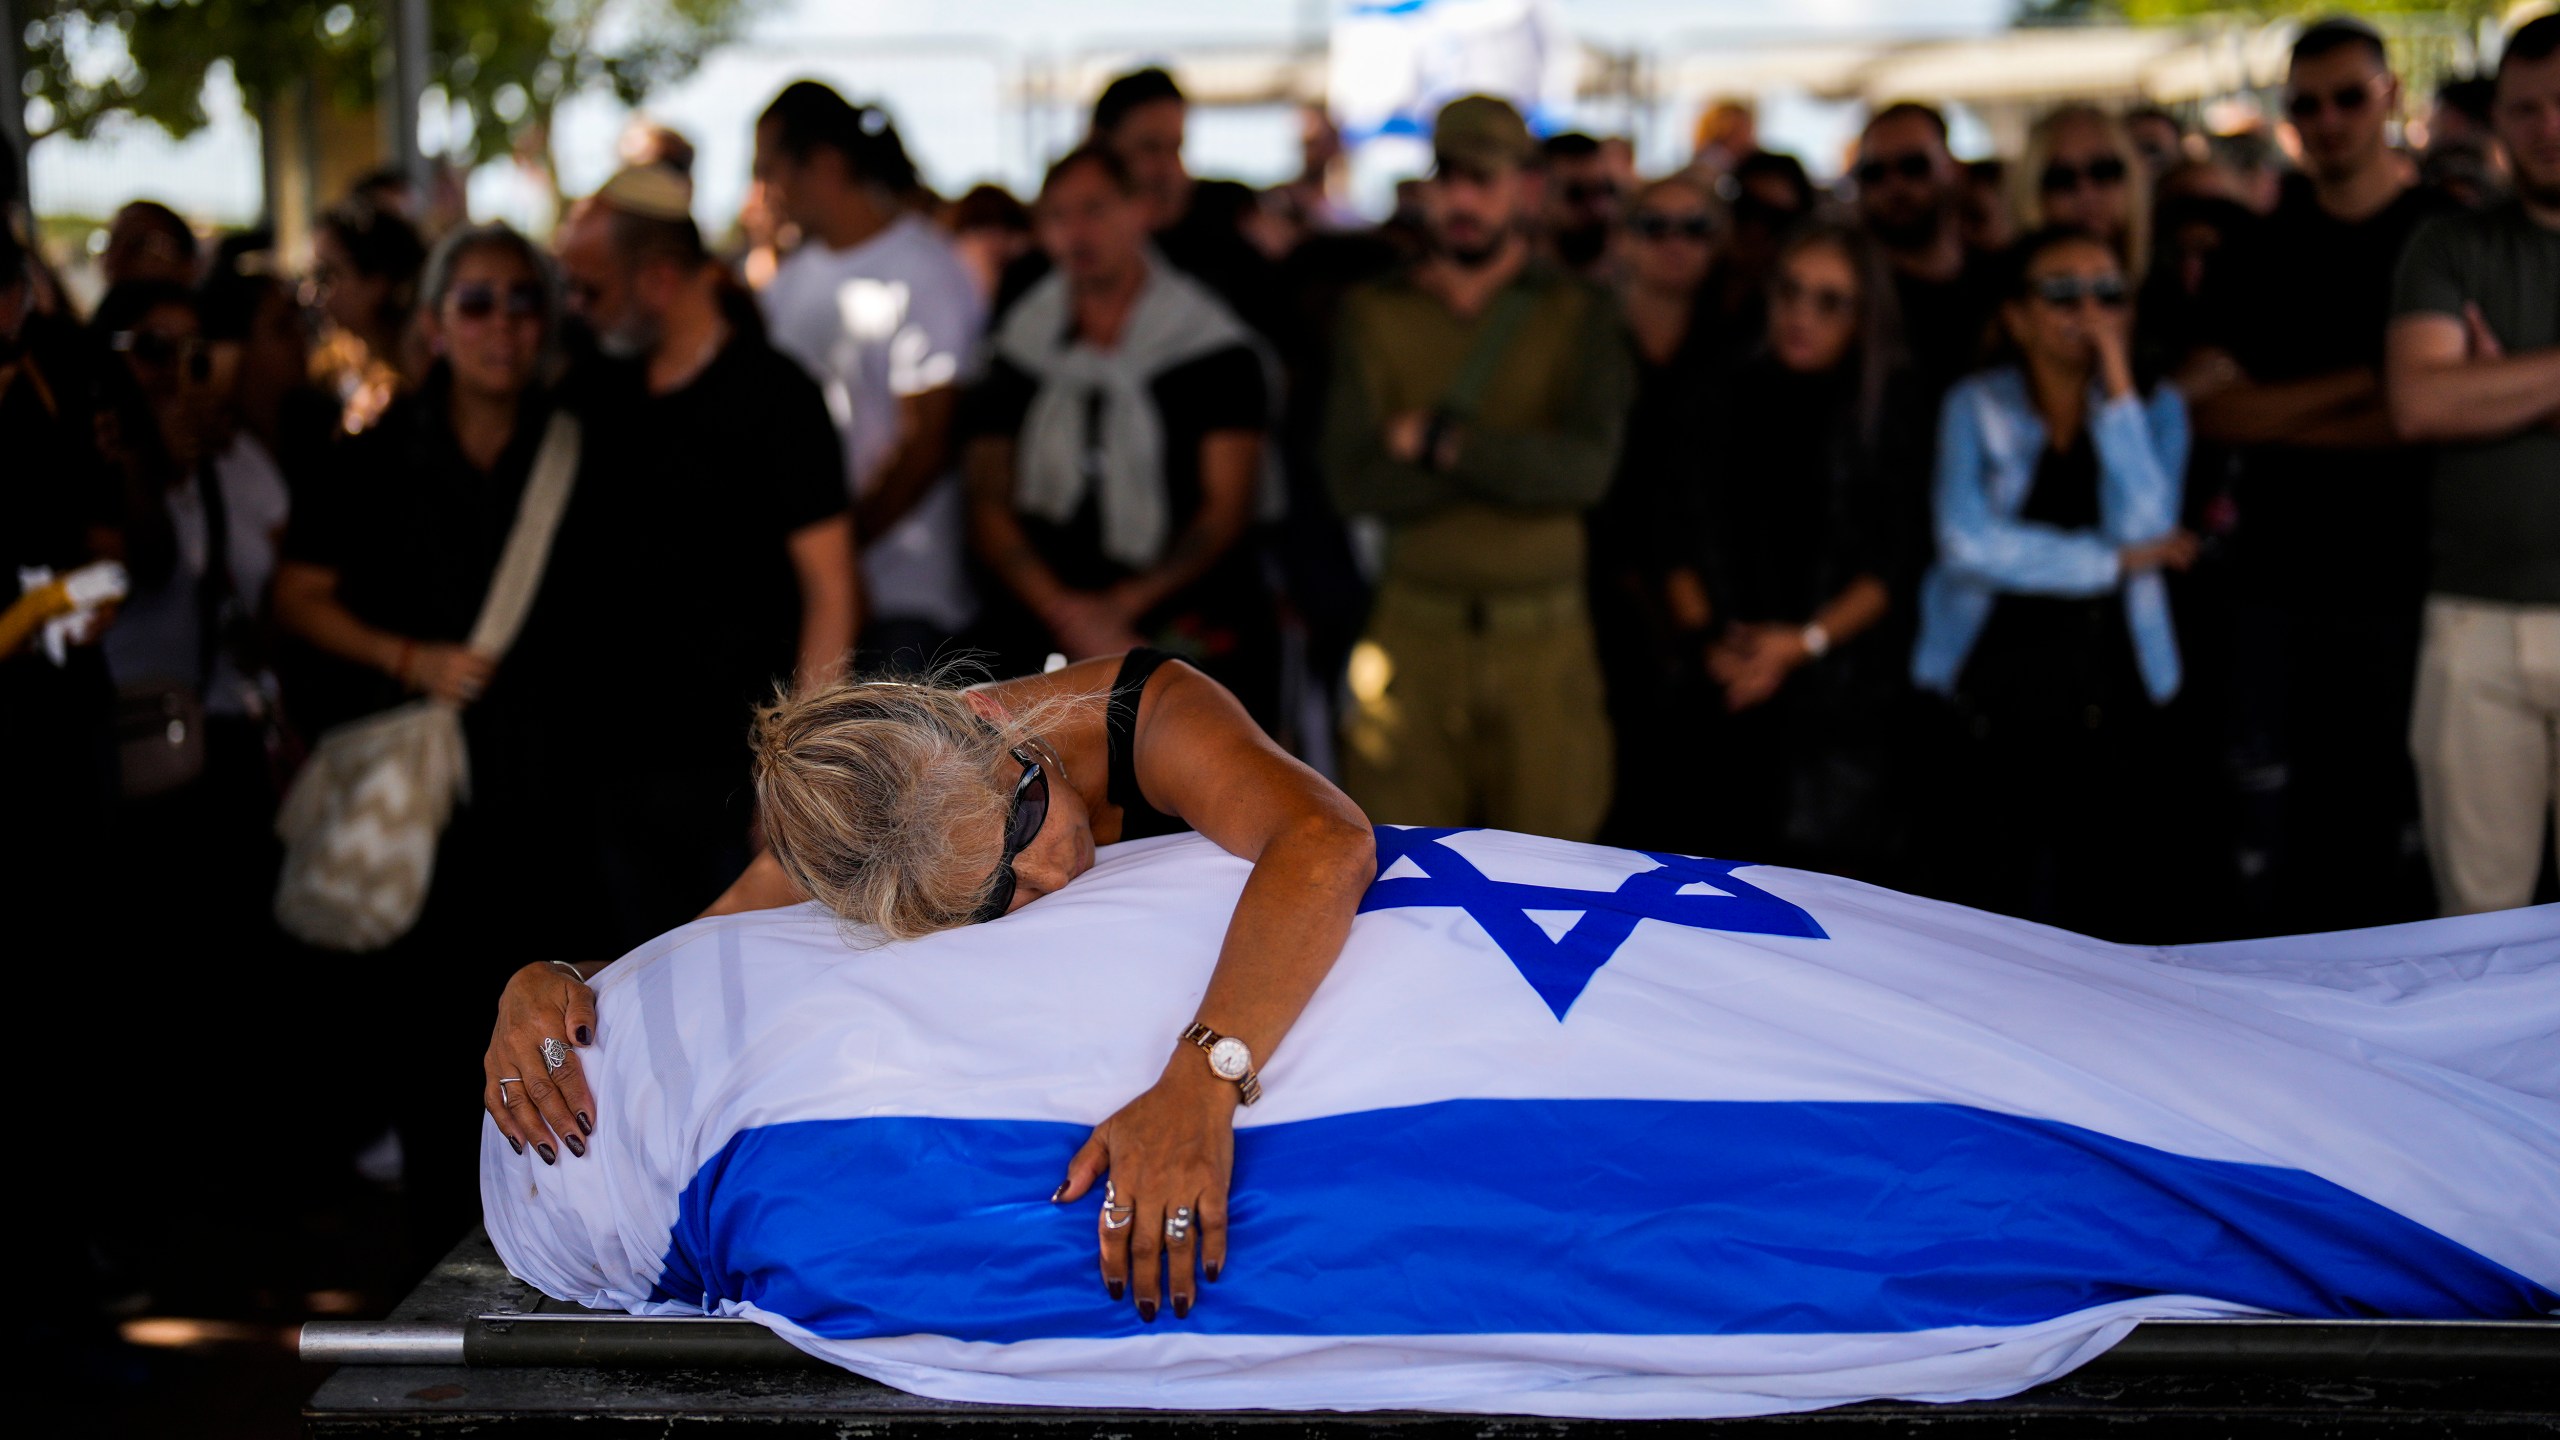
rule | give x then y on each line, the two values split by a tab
1229	1059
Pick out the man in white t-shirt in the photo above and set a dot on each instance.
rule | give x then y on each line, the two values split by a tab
878	307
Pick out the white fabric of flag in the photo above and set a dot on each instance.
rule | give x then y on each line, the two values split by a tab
1569	1130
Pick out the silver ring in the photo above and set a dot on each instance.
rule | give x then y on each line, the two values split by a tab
1119	1219
554	1054
503	1082
1177	1226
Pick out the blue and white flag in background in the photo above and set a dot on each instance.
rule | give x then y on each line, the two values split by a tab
1570	1131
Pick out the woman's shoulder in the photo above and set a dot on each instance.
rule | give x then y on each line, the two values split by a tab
1999	384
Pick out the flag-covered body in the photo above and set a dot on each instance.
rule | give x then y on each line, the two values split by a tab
1568	1130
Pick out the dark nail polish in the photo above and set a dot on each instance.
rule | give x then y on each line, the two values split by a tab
516	1143
1058	1194
585	1125
586	1036
1147	1311
549	1156
1181	1307
1211	1271
1116	1289
576	1146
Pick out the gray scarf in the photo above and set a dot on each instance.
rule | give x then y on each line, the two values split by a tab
1175	320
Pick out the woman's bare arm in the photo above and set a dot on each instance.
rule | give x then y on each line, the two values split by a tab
307	606
1199	756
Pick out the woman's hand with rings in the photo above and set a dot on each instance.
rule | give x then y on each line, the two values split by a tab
1169	1154
535	1088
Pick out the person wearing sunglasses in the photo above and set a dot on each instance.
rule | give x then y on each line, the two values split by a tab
1911	197
388	557
909	807
1640	626
2081	171
2045	621
2328	545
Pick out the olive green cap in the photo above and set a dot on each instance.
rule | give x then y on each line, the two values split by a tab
1482	130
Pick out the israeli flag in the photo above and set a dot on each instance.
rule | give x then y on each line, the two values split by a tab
1568	1131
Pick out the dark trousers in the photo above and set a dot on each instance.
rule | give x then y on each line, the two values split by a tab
2321	699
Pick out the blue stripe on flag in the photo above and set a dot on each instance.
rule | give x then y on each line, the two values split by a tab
1629	1217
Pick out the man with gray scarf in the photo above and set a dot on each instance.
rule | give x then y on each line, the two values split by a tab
1116	447
1476	409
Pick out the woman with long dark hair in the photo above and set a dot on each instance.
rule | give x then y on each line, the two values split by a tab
1801	528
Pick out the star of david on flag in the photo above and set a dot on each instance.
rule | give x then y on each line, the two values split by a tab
1559	937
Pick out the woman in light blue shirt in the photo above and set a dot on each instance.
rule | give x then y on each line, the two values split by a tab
2046	619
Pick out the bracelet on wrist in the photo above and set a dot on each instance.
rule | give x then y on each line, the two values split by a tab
571	970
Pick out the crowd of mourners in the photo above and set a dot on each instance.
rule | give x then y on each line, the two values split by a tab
2141	534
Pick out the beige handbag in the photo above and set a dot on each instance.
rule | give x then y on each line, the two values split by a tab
361	821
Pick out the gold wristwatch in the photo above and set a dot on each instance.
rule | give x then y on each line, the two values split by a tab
1228	1059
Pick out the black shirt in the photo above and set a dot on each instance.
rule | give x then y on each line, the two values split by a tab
691	499
413	530
1138	819
1794	500
1946	323
2301	294
2052	661
1223	390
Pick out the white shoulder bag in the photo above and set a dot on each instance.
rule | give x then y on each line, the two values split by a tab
361	821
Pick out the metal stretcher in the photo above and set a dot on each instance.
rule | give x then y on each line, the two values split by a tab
474	1351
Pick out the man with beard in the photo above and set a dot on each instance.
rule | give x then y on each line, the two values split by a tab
708	535
1911	198
1476	408
1582	202
2329	556
2475	366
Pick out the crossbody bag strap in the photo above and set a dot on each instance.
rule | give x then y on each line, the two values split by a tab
528	549
1502	322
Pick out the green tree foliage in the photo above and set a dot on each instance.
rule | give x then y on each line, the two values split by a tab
2161	12
506	64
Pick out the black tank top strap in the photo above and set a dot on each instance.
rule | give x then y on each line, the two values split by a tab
1138	819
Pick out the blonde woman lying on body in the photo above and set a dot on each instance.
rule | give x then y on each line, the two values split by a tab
907	808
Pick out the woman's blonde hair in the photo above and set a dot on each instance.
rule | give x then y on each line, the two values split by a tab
2026	181
883	799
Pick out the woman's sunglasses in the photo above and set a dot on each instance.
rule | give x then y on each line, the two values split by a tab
479	300
2062	292
1021	827
1663	227
163	352
2104	171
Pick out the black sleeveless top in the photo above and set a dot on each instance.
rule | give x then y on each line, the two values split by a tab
1138	819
